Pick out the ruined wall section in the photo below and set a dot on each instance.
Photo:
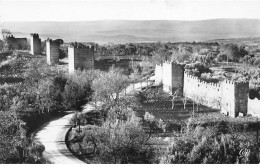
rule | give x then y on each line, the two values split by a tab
35	43
52	52
80	58
17	43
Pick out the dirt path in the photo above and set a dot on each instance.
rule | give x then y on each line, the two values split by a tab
53	135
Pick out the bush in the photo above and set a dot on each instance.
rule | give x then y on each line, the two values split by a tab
212	145
119	138
7	95
181	57
77	90
15	146
107	86
197	69
253	94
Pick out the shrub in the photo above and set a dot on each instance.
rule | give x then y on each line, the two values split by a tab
197	69
7	95
108	85
211	145
120	139
14	143
77	90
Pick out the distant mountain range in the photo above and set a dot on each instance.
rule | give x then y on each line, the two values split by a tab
125	31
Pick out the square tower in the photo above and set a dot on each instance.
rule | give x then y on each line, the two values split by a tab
173	77
35	44
52	52
234	98
80	58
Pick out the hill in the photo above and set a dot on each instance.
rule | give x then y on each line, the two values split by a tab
138	31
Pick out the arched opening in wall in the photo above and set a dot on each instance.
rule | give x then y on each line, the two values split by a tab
227	113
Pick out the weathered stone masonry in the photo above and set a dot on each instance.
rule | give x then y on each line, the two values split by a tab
80	58
228	96
17	43
52	52
35	44
158	74
173	75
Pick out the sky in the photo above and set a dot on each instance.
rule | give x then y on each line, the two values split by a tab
90	10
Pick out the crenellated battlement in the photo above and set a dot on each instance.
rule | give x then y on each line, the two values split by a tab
52	51
35	35
230	82
55	43
10	36
80	56
81	46
198	80
35	44
226	81
228	95
49	40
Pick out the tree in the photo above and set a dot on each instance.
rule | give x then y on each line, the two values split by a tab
5	34
108	85
174	96
15	146
233	51
212	145
77	90
161	55
9	134
135	77
181	57
46	85
120	139
2	46
153	124
185	98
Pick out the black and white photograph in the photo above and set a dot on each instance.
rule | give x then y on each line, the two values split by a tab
89	82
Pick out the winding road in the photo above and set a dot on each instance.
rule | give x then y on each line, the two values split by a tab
53	134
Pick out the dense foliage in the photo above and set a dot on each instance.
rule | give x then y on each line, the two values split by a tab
15	146
120	139
213	145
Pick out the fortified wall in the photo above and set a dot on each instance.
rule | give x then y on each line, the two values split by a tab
35	44
80	58
229	96
208	94
17	43
52	52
